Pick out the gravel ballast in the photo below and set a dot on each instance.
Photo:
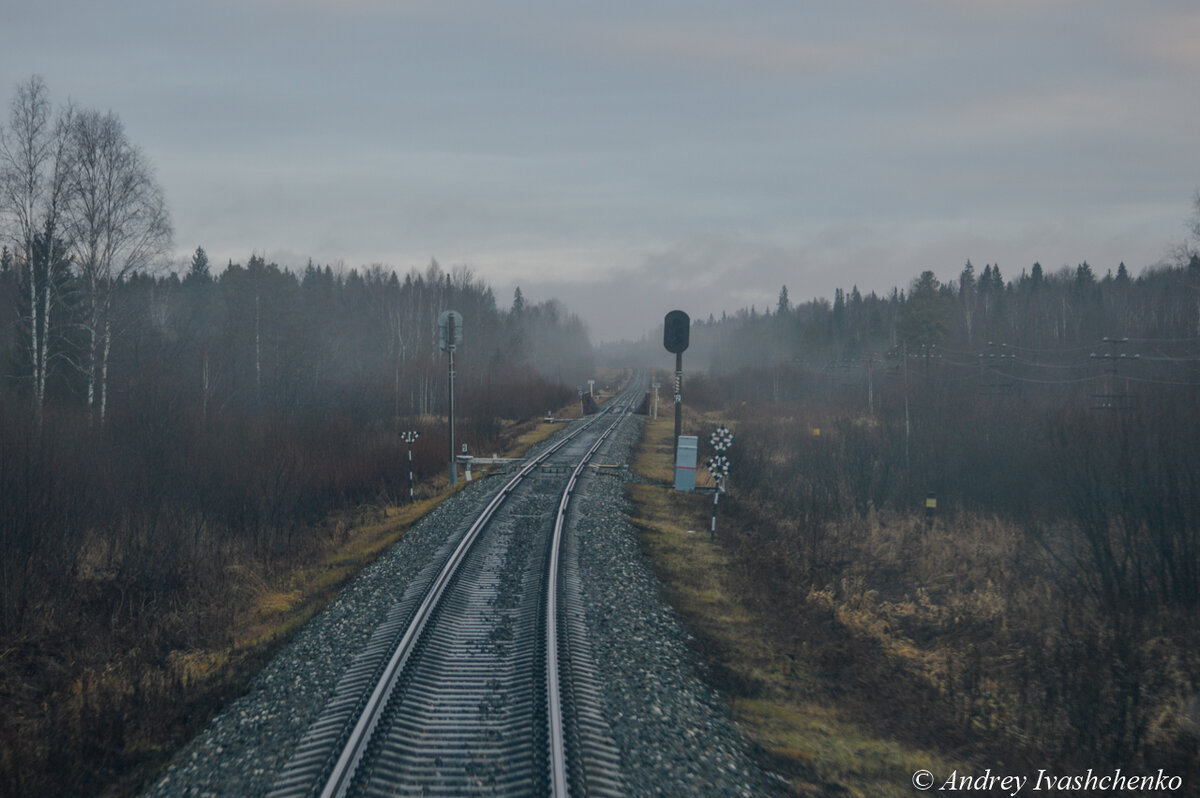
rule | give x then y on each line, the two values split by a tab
672	730
247	743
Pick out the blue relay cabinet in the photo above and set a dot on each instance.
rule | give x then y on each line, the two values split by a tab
685	463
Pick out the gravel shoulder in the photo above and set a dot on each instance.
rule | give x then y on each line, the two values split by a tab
247	743
673	731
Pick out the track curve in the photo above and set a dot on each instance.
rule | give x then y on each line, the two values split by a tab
480	681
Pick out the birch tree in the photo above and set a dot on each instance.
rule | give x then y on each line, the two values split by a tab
1194	222
119	225
33	188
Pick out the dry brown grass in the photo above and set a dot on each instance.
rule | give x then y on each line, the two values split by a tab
971	638
790	709
100	710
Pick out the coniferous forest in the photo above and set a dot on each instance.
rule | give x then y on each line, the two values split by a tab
256	400
977	503
242	410
175	436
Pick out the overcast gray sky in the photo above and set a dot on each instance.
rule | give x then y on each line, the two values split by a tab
632	157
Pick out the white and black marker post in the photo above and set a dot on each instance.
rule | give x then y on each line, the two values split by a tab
449	336
410	437
718	466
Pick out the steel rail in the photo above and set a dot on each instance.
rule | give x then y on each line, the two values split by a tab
559	786
341	776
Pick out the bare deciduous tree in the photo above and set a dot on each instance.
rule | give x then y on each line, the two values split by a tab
33	189
119	226
1194	222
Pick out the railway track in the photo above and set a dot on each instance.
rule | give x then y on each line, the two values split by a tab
480	681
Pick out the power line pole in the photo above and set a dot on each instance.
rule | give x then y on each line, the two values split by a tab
1117	399
1001	385
869	360
453	464
449	336
907	422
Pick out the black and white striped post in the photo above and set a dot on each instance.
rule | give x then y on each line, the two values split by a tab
718	466
410	437
676	332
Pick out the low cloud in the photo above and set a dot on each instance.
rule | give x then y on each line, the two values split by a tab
727	49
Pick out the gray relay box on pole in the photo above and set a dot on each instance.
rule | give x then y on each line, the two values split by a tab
685	463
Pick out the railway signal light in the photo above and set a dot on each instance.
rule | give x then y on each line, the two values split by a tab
676	329
450	329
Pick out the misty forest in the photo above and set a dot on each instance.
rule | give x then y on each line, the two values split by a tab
177	439
1046	607
170	434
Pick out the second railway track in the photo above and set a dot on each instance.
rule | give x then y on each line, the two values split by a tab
480	681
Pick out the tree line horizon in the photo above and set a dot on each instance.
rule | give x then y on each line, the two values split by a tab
170	440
